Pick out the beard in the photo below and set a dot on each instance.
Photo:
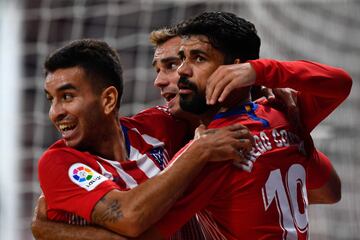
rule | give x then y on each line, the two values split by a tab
193	103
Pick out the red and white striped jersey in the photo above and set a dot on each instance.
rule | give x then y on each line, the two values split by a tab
266	196
73	181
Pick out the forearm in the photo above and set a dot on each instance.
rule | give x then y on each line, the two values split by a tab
321	88
48	230
311	77
44	229
144	205
131	212
161	192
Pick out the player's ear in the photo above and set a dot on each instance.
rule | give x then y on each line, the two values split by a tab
109	99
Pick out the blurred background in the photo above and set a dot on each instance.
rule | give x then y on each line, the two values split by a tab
319	30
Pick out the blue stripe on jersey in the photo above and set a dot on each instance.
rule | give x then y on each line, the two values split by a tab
127	141
246	108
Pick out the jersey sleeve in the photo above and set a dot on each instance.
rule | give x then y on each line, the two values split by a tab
70	184
200	194
159	123
318	170
321	88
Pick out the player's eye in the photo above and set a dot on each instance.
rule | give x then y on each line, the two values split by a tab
172	66
199	59
67	96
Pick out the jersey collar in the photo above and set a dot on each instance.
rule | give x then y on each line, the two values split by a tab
248	107
126	136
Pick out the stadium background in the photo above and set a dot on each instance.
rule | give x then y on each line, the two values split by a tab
325	31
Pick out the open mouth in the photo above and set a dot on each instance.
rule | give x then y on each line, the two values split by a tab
66	129
169	96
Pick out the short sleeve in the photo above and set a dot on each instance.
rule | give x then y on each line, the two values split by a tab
71	184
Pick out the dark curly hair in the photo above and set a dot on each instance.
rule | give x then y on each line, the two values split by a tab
230	34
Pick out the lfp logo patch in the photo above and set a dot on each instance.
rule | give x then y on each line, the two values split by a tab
84	176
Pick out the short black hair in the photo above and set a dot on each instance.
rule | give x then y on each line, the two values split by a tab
230	34
100	62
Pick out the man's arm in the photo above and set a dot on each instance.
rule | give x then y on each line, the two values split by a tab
44	229
324	185
330	192
325	190
321	88
132	212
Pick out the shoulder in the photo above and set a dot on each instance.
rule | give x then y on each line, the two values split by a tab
158	112
59	148
58	155
158	124
157	117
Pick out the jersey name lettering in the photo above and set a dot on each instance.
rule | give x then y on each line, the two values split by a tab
267	140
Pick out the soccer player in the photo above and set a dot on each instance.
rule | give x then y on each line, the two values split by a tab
268	198
102	169
166	61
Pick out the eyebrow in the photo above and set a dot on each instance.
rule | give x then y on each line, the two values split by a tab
165	60
181	53
197	51
64	87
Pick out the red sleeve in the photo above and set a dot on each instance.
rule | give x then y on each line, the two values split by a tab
318	170
321	88
64	188
196	198
157	122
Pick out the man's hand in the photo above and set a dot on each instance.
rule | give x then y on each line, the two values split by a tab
286	100
228	78
226	143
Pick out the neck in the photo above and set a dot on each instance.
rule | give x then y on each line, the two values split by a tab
112	145
208	116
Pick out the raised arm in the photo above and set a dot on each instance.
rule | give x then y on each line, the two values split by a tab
321	88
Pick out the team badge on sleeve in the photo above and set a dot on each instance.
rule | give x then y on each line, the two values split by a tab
85	177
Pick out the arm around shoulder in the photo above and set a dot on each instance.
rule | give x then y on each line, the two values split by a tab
132	212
